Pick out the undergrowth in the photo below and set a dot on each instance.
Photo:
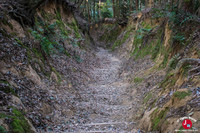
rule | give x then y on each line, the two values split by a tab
18	123
158	118
52	36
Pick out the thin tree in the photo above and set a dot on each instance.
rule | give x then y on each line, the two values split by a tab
88	10
113	5
136	4
100	9
94	12
131	5
146	3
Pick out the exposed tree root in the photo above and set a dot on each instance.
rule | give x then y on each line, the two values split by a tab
195	71
186	61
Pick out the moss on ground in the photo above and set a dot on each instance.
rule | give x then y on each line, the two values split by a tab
182	94
138	80
18	123
157	118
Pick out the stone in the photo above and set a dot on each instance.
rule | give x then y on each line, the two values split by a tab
54	77
32	74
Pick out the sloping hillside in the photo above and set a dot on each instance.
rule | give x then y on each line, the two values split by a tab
162	64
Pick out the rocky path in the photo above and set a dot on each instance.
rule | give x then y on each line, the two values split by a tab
106	101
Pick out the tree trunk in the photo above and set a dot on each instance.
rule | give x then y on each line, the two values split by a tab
113	2
85	7
94	12
117	9
88	10
136	5
100	9
131	5
150	3
146	3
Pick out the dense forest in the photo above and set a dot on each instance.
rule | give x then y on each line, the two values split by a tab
95	66
95	10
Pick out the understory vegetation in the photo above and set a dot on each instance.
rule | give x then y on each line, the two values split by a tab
18	123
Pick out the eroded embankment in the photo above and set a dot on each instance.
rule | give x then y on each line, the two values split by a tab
162	65
42	69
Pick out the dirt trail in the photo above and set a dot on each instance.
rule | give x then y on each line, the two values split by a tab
106	101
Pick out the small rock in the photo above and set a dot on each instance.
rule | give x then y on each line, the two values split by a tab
198	93
54	77
188	107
